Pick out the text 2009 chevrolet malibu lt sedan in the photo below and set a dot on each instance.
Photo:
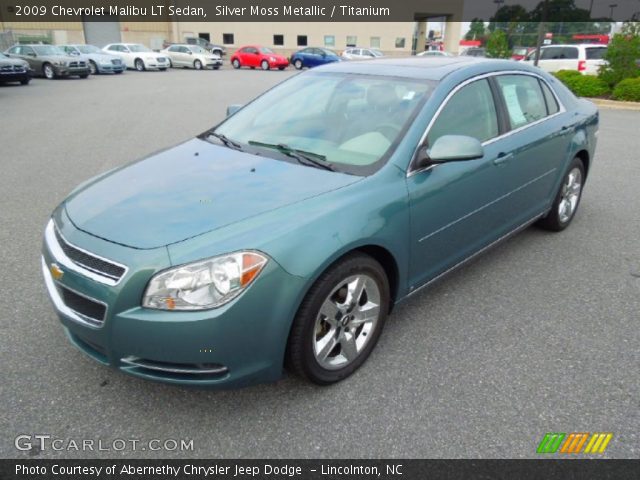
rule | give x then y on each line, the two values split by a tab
285	235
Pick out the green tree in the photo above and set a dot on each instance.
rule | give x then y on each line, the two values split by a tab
498	45
622	55
476	30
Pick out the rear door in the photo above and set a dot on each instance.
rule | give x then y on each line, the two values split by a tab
536	141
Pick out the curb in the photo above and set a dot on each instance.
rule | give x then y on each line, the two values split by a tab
615	105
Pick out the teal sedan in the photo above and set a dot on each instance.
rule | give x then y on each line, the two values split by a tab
283	237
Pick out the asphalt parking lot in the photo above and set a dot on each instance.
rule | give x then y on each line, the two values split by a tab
539	335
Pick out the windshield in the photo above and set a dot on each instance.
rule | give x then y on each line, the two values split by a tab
376	52
265	50
139	48
351	121
88	49
331	53
48	50
197	49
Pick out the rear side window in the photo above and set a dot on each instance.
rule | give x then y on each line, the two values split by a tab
559	53
596	53
523	98
471	112
552	103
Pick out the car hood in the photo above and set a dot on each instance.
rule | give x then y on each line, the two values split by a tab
13	61
191	189
100	57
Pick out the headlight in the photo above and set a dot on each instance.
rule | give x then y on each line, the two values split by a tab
205	284
61	63
273	59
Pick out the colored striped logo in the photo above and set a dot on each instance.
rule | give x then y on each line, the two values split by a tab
574	443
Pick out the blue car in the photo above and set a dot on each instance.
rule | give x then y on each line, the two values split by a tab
313	57
286	234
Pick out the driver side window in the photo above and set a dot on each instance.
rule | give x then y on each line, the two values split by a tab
471	111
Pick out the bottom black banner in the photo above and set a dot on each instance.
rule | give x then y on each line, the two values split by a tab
318	469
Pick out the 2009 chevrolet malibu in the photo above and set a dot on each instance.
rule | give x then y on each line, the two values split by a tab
286	234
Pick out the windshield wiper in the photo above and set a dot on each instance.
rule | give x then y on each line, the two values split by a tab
226	141
302	156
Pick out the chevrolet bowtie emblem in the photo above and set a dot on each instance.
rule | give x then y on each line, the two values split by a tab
56	271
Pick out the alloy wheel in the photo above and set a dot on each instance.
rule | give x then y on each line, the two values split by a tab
93	69
49	72
570	195
346	321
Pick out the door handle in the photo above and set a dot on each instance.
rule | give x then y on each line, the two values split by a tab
502	158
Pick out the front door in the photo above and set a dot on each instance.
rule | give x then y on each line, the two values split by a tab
457	207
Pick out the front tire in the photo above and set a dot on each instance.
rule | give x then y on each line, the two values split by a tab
567	199
93	68
264	65
298	64
236	63
86	75
48	71
25	81
340	320
139	64
197	65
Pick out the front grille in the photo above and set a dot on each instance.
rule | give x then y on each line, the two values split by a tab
161	59
90	262
12	68
73	64
82	64
115	62
91	310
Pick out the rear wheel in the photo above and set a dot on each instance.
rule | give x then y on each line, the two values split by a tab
48	71
340	320
236	63
264	65
139	64
197	65
567	199
298	64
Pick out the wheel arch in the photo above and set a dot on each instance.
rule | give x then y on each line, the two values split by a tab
583	155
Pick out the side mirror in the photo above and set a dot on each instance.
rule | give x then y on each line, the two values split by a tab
450	148
31	54
190	52
231	109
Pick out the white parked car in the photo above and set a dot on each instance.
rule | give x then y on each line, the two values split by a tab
136	55
585	58
191	56
434	53
357	53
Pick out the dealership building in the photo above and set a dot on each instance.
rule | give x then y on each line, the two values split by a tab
393	38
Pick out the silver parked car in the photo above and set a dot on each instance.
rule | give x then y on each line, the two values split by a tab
98	61
357	53
191	56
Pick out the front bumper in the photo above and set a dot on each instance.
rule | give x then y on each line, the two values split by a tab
240	343
14	76
70	71
154	64
106	68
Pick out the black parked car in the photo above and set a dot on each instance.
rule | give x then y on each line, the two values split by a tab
13	70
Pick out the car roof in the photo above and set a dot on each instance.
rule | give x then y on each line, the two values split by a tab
586	45
427	68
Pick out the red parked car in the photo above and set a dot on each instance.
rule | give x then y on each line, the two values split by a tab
255	56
